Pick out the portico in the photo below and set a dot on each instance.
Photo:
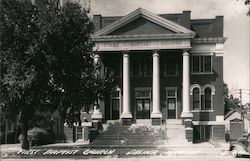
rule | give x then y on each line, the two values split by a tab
173	37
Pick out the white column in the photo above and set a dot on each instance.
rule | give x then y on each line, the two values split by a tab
97	114
96	59
185	87
126	113
156	113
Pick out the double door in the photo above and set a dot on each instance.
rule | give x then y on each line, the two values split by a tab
142	108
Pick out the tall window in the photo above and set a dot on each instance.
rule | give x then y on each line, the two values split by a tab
196	98
142	66
201	64
208	99
148	66
136	67
171	66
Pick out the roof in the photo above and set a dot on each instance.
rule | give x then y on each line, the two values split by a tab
140	12
245	115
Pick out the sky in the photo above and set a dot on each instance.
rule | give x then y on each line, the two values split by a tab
236	30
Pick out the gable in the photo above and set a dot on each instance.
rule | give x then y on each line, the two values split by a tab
141	26
143	22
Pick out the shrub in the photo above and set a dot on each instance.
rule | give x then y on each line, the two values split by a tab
38	136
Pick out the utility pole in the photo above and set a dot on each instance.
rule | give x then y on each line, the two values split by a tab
241	108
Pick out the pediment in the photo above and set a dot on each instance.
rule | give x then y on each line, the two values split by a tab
141	26
143	22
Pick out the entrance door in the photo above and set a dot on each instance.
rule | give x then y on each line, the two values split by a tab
171	104
115	113
171	99
115	105
142	108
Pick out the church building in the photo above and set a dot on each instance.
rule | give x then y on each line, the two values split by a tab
166	66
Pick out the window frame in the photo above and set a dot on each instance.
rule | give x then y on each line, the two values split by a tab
202	66
202	97
165	73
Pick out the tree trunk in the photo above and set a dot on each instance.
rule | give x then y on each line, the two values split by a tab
25	141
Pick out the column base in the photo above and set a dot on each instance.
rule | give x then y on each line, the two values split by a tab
126	121
188	123
97	124
126	118
156	118
189	134
186	115
156	121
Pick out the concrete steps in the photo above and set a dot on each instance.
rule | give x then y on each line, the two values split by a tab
135	135
175	132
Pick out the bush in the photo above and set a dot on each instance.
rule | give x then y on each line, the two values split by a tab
38	136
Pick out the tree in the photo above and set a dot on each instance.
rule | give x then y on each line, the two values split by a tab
229	101
47	61
247	2
18	73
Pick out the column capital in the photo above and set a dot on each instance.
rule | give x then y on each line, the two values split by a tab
125	52
96	55
185	53
155	51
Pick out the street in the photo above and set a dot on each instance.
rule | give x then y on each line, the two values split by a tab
158	158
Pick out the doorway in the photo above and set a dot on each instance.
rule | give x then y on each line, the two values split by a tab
142	108
171	102
142	103
115	105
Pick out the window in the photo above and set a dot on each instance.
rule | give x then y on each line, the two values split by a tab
136	69
142	66
148	66
208	99
201	64
202	97
196	98
171	66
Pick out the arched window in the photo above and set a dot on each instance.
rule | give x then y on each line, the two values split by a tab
208	98
196	98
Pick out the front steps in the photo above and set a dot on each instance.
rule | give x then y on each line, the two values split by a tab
139	135
169	137
175	132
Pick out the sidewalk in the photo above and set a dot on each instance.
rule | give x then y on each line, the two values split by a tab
79	149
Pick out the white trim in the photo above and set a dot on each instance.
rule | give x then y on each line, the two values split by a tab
195	86
202	110
220	118
202	92
140	12
209	86
202	53
207	123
